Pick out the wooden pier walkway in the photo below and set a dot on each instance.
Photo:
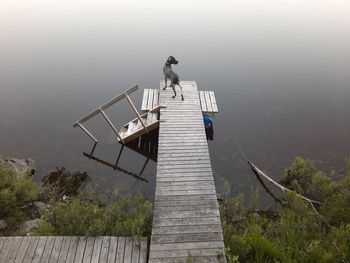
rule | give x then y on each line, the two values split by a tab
72	249
186	220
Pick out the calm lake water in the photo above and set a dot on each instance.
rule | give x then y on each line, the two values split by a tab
280	72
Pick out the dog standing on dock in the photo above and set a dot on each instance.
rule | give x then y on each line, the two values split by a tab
170	74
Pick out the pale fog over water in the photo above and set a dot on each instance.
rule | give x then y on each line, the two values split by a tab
280	71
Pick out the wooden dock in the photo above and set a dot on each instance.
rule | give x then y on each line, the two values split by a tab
186	220
72	249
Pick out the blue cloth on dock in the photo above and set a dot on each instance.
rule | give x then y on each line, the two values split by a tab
208	123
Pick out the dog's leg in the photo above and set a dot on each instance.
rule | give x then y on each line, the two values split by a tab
173	86
182	95
165	83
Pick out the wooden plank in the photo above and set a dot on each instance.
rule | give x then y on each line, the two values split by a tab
213	101
176	208
72	249
79	255
186	221
211	259
48	249
97	249
185	197
106	105
207	99
143	250
144	100
31	249
155	98
203	102
128	250
184	203
135	251
64	249
112	252
88	249
179	238
186	214
150	99
104	249
22	250
161	230
120	249
2	241
14	249
188	245
5	249
56	249
39	249
185	252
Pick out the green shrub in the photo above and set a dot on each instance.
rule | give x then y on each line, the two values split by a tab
295	233
127	216
16	195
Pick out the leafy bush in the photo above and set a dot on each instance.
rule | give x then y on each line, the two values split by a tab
127	216
296	233
15	197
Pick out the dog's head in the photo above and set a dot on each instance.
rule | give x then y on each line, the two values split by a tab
172	60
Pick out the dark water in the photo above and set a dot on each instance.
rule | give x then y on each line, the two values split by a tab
280	72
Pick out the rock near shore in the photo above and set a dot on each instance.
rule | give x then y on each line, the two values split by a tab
22	167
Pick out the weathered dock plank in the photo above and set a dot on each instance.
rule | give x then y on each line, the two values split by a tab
73	249
186	217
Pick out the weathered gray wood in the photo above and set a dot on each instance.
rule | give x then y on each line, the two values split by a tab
5	249
64	249
2	240
180	246
112	252
213	101
120	249
150	99
203	101
106	105
207	99
207	259
196	237
22	250
185	252
144	100
187	221
48	249
14	249
186	208
97	249
31	249
88	249
198	207
39	249
143	250
135	251
128	250
72	249
79	255
161	230
56	249
155	98
104	249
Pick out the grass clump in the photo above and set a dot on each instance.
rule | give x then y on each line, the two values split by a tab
294	232
16	196
121	217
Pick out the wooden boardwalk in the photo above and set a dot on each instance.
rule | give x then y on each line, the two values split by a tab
186	219
72	249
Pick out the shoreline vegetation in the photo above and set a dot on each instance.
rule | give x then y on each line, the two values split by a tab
291	231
